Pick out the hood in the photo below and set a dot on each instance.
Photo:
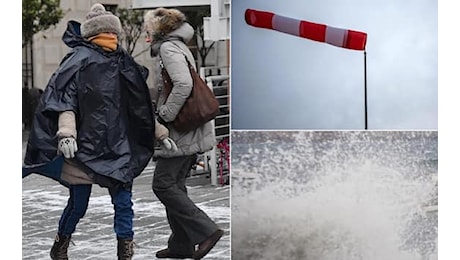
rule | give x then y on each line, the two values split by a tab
185	32
72	36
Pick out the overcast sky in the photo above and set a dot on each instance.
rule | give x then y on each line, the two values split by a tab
280	81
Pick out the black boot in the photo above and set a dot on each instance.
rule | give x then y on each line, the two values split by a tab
59	249
125	249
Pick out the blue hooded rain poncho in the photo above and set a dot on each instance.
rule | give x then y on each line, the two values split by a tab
108	93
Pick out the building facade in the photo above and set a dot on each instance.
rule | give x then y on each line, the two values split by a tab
48	48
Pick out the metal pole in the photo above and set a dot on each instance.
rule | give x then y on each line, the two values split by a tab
32	62
365	91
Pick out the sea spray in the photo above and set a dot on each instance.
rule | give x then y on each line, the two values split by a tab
333	195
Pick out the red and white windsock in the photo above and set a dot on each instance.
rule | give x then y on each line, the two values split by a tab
343	38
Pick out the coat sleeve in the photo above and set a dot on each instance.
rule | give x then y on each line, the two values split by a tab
58	96
161	132
67	124
176	65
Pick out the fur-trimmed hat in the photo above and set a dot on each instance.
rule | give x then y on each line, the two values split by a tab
98	20
163	21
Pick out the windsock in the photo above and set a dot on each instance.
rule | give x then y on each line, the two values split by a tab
343	38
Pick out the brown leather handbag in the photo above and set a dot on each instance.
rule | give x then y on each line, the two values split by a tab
199	108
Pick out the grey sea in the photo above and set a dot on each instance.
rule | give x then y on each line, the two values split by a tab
325	195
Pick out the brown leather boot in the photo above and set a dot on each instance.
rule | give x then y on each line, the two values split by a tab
206	246
125	249
59	249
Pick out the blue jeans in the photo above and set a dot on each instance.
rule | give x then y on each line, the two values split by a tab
78	204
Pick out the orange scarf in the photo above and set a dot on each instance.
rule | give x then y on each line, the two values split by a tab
106	40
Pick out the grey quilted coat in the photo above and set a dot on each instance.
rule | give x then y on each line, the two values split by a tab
171	50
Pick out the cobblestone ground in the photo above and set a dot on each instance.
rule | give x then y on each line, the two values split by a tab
44	199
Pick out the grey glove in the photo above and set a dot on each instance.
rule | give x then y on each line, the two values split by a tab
68	147
169	144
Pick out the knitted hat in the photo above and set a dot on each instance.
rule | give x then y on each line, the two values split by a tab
98	20
163	21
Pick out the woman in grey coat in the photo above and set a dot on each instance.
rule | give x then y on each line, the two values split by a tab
168	33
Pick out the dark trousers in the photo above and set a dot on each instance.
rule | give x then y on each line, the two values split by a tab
78	204
189	224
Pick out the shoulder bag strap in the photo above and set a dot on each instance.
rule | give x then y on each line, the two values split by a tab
185	55
167	83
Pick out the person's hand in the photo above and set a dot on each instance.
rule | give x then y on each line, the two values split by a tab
68	147
169	144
